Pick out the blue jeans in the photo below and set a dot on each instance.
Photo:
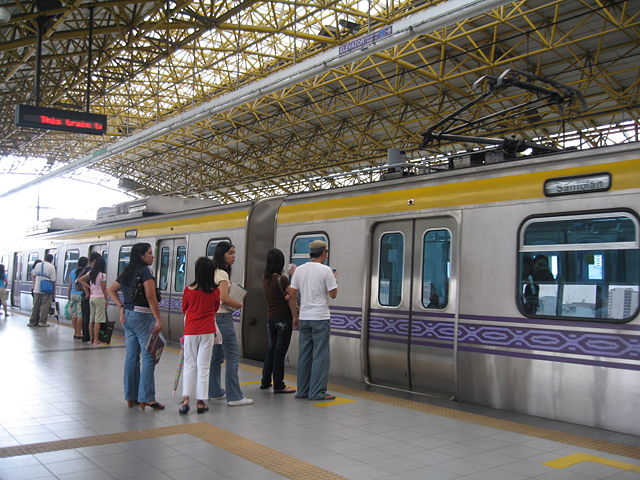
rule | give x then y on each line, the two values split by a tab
229	353
279	331
139	382
313	358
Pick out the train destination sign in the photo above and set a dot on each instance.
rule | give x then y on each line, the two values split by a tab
62	120
597	182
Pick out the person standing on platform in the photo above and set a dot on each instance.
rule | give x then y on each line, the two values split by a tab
75	298
33	275
3	289
140	315
316	284
282	317
42	300
85	302
223	257
200	302
96	282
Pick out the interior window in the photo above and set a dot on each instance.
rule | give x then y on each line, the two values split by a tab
300	247
123	258
436	268
580	266
163	274
390	272
70	263
181	266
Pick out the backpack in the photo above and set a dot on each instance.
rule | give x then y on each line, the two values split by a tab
135	293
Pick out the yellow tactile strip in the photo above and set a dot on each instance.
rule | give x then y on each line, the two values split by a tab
266	457
507	425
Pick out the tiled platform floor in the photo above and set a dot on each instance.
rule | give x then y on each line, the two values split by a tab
62	417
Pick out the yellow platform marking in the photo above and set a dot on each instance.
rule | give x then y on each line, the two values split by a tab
570	460
251	383
337	401
255	452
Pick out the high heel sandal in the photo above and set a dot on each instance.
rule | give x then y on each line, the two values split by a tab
184	408
154	405
131	403
202	407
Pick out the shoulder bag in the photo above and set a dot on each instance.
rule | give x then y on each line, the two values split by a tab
46	285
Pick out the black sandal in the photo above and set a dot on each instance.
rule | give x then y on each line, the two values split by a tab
202	407
184	408
154	405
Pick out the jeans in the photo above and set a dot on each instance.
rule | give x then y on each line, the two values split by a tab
86	316
229	353
279	331
313	358
139	382
40	310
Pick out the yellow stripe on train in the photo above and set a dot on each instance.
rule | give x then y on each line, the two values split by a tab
625	175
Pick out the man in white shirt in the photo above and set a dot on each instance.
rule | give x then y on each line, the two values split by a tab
42	301
316	284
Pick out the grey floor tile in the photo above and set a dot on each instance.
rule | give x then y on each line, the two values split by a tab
71	466
527	467
364	472
494	474
462	466
593	470
491	459
26	472
86	475
429	457
114	459
430	473
199	472
625	475
397	464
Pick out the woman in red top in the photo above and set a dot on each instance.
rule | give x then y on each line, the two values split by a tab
200	302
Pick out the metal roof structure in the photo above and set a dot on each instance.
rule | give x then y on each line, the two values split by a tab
154	64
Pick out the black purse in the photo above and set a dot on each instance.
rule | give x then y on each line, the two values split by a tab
136	292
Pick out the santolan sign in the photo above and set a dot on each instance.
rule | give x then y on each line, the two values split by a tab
597	182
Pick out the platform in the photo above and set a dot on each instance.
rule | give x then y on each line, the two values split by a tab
63	416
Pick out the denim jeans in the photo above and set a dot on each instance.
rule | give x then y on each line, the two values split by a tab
279	331
139	382
313	358
229	353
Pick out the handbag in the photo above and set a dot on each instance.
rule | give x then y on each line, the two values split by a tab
136	292
46	285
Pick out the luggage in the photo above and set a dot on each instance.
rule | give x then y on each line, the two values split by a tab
106	331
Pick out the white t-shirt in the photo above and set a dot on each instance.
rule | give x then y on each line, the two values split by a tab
314	281
43	270
218	276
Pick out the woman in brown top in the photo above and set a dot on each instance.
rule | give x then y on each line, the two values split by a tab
282	317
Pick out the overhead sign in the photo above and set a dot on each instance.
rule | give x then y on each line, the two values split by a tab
62	120
597	182
365	40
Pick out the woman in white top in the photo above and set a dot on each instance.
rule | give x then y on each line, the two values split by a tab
96	283
223	257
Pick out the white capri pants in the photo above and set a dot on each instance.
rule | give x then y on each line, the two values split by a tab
197	361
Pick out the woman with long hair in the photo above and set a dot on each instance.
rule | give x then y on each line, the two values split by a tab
96	283
74	295
282	318
223	257
140	315
200	302
3	289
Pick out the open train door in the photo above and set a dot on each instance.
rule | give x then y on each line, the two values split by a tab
261	232
16	277
412	320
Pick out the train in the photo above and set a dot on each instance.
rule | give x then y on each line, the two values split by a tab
438	292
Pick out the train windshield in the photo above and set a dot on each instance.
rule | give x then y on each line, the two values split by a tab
580	266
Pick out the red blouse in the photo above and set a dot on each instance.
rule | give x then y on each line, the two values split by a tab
200	311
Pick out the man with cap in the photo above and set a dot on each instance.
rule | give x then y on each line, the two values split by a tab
316	284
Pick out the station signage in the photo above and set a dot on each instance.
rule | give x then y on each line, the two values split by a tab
597	182
61	120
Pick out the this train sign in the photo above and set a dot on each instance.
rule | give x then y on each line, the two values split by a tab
62	120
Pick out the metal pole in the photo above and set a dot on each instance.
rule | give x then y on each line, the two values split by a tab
39	58
90	60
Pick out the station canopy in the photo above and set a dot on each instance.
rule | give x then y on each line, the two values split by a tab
233	100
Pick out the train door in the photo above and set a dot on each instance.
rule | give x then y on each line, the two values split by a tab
16	280
171	261
411	326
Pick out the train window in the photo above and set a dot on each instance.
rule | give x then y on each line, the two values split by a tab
580	266
33	256
54	252
101	249
123	258
181	267
70	263
436	268
211	246
390	271
300	247
163	272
